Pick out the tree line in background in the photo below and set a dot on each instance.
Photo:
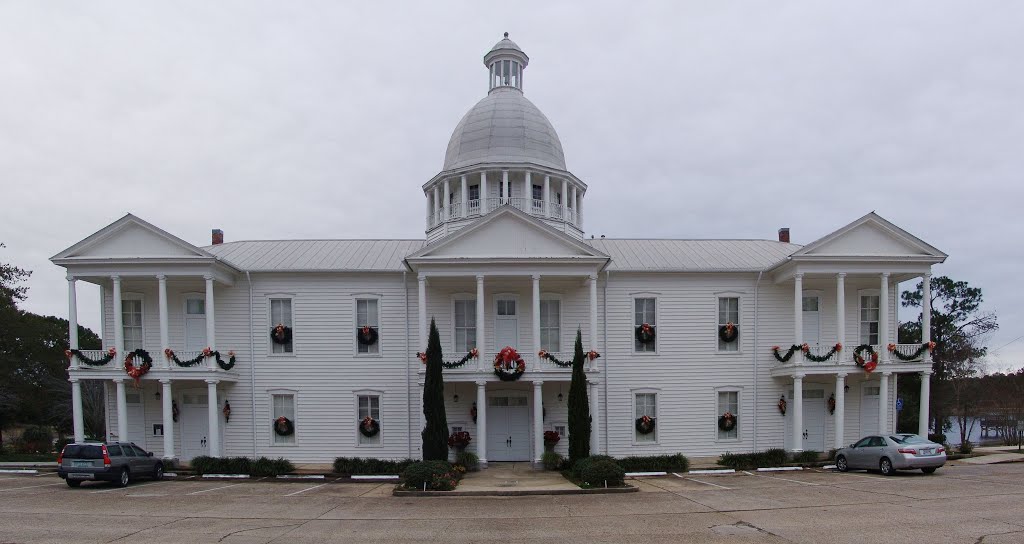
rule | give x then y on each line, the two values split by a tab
34	389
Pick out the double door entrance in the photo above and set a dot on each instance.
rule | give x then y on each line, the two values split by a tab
813	433
508	426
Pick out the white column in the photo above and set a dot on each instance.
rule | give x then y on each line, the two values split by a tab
894	420
504	187
798	315
798	412
165	335
483	193
168	417
430	215
538	422
211	330
73	319
437	204
118	317
575	207
923	417
446	200
122	409
481	320
481	421
579	210
528	193
213	414
565	196
547	196
592	341
465	197
595	418
840	415
883	403
883	317
423	311
77	417
926	314
536	321
841	313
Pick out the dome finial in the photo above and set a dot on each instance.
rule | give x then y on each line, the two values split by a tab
506	34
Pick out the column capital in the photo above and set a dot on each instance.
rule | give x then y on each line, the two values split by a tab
537	384
73	380
481	383
885	275
798	276
161	277
71	278
841	275
842	375
118	380
479	277
887	374
592	277
926	373
208	277
212	381
799	376
594	382
421	277
165	381
536	277
115	278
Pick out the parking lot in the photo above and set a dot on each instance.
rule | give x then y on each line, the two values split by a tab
957	504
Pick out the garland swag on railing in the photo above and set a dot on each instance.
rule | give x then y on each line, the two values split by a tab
472	354
789	353
111	353
207	352
806	348
544	354
928	346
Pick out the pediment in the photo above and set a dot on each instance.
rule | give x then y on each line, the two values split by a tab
508	233
869	236
131	237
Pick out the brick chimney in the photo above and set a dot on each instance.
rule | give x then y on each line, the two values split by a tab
783	235
218	236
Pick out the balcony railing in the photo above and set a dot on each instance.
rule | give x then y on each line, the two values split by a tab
533	363
846	355
907	350
159	360
532	206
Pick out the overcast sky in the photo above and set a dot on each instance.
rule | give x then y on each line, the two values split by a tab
687	120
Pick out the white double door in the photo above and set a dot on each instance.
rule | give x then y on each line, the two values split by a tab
194	424
508	426
813	433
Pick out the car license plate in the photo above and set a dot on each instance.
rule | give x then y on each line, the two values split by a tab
79	476
81	463
928	451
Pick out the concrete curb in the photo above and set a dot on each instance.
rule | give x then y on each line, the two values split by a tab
515	492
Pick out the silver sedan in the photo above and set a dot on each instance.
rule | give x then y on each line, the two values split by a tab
890	453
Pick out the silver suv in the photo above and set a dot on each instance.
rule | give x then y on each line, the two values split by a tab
116	462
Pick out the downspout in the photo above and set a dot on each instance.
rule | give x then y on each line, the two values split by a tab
408	371
252	367
757	286
604	312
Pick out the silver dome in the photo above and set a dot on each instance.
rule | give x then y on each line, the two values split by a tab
504	127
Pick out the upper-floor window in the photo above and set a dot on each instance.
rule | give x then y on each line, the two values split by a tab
465	325
538	192
869	313
550	325
644	312
728	312
131	322
281	314
367	315
474	192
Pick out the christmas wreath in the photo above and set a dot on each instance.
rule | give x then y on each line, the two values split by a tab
645	424
871	362
782	405
284	426
281	334
832	403
645	334
928	346
789	353
136	372
369	427
366	335
728	333
806	348
727	422
111	353
508	365
551	438
459	440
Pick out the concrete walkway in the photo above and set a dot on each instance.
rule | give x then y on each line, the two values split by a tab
514	476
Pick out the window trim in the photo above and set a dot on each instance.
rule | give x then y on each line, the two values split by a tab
561	322
739	411
295	407
632	421
632	325
356	297
380	403
476	325
141	297
869	293
739	315
270	324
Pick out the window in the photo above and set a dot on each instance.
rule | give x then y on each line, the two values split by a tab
369	405
465	325
869	312
474	192
131	322
507	306
457	429
562	431
728	312
728	401
368	316
811	304
550	325
138	451
863	442
127	451
538	192
645	313
283	406
114	451
281	314
646	405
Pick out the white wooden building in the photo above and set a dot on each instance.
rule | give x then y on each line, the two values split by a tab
504	262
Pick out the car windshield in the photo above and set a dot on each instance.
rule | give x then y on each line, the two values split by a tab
83	451
908	439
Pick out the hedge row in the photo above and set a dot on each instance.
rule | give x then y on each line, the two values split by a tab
369	465
768	458
241	465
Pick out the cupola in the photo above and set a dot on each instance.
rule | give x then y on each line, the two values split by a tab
506	62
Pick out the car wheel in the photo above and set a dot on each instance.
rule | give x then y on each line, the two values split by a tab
841	464
885	465
122	480
73	483
158	472
929	470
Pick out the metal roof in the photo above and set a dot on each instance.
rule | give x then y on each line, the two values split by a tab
317	255
693	255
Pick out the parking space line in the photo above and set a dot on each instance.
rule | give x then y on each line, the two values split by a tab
786	479
214	489
29	487
706	483
135	486
305	490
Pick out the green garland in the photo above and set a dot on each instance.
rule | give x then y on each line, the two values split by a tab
545	355
789	354
220	362
111	353
917	354
820	358
169	353
472	354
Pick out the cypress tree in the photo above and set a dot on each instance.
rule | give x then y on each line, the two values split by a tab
435	433
579	406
